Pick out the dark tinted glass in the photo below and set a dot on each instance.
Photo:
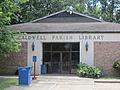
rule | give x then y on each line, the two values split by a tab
46	56
75	59
60	57
56	57
46	47
75	55
61	47
75	47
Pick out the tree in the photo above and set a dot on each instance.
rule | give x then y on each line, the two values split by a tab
80	8
8	8
8	40
118	17
38	8
108	10
34	9
93	9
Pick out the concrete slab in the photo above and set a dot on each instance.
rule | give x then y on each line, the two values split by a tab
107	80
58	83
107	86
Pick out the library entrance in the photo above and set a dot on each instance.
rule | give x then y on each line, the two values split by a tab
61	58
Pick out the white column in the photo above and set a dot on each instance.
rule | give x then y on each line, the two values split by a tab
87	56
80	51
37	52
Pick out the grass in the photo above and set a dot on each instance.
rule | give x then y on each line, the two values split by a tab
110	77
7	82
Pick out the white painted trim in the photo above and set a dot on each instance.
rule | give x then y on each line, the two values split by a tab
80	57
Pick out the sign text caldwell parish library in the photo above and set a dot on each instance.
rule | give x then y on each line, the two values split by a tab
61	37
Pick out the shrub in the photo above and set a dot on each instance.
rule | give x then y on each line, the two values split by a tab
116	65
85	70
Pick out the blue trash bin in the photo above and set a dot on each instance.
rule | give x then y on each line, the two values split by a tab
43	69
24	76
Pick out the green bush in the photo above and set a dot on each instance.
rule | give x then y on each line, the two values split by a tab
116	65
85	70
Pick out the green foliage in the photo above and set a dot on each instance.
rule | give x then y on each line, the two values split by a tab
116	65
28	10
85	70
118	17
8	8
8	41
80	8
18	11
37	8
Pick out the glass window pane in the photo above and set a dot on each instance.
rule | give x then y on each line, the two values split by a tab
46	56
75	47
75	59
46	47
57	47
55	57
61	47
75	55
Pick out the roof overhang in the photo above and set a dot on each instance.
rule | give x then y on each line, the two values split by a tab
67	27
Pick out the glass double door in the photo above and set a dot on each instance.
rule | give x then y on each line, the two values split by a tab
61	57
61	62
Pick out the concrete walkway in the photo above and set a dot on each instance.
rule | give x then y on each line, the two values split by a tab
58	83
69	83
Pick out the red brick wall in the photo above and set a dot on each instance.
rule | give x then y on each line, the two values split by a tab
9	65
105	54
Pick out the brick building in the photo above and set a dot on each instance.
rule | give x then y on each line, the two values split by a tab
64	39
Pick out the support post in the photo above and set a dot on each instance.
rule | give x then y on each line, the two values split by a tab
34	61
34	77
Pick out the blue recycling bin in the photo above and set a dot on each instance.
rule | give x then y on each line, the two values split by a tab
43	69
24	77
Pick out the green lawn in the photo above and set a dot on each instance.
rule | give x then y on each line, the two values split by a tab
110	77
7	82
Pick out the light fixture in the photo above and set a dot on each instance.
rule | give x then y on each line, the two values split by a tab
86	46
33	46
